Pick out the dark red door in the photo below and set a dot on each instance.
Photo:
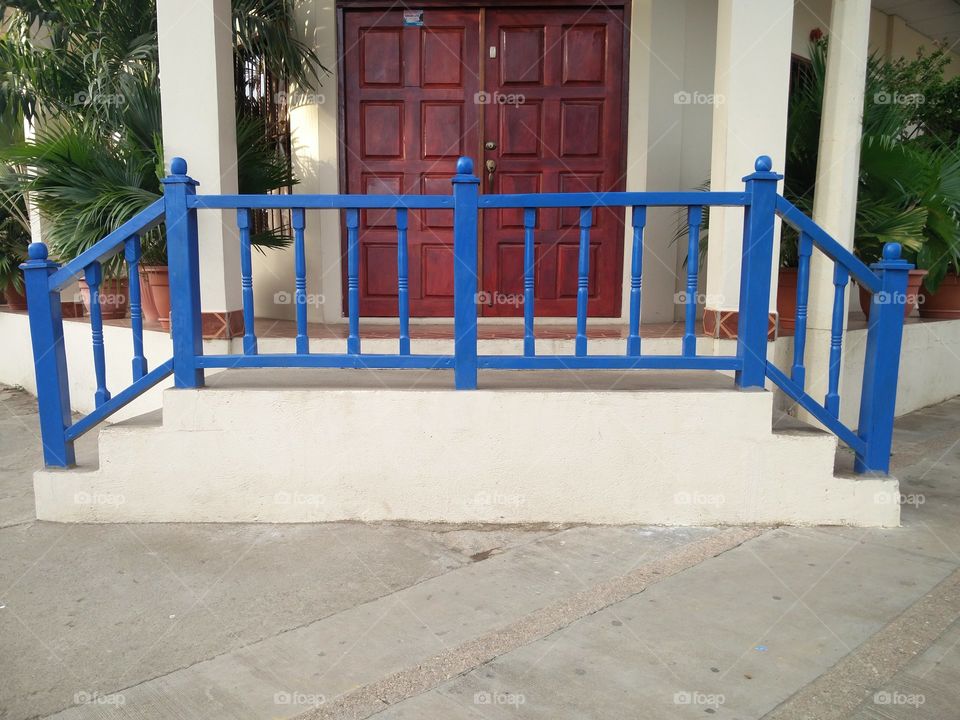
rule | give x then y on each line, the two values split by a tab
551	105
553	92
410	112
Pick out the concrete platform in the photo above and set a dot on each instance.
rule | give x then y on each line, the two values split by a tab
528	447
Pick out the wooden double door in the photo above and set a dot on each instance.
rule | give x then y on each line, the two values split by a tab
535	97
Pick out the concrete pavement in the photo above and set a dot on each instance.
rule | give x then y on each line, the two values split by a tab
351	620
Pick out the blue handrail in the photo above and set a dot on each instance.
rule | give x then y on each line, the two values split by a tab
761	204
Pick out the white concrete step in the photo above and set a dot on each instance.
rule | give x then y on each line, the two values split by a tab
537	447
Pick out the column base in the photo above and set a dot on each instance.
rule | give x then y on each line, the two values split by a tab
722	324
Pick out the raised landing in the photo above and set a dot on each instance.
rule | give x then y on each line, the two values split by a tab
528	447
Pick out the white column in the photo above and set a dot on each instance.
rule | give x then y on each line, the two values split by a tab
199	124
838	168
751	89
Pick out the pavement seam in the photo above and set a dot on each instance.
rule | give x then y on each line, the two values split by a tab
838	692
377	696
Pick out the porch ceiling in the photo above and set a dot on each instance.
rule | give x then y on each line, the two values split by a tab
937	19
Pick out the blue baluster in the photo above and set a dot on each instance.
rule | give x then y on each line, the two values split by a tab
755	271
94	276
694	218
49	357
183	260
131	252
639	220
529	271
353	280
466	189
403	281
840	278
804	250
583	281
878	396
298	222
246	282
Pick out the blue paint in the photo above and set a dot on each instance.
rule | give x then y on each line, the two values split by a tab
298	222
760	201
694	218
246	282
529	274
94	277
638	220
353	280
583	281
403	281
183	261
132	256
755	270
466	189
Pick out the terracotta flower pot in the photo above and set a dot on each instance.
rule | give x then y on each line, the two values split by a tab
787	301
944	304
147	305
16	300
114	297
913	293
155	283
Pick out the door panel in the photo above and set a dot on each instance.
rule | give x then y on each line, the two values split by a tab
554	89
409	113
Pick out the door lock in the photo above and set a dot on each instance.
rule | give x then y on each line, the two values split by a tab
491	166
490	145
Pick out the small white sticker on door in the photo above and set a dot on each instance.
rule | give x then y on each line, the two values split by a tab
493	51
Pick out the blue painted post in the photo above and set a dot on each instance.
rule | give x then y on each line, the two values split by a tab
49	357
298	221
132	254
94	276
529	273
804	251
694	218
403	281
466	215
583	282
353	280
882	360
832	399
183	261
639	220
246	283
755	269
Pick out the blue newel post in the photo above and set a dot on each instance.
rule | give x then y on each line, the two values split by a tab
884	334
49	357
466	191
755	271
183	259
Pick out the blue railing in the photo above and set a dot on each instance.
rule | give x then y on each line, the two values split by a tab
761	204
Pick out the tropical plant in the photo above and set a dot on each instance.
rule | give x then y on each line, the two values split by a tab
93	83
14	233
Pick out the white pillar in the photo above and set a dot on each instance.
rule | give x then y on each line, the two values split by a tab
751	89
838	169
199	124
